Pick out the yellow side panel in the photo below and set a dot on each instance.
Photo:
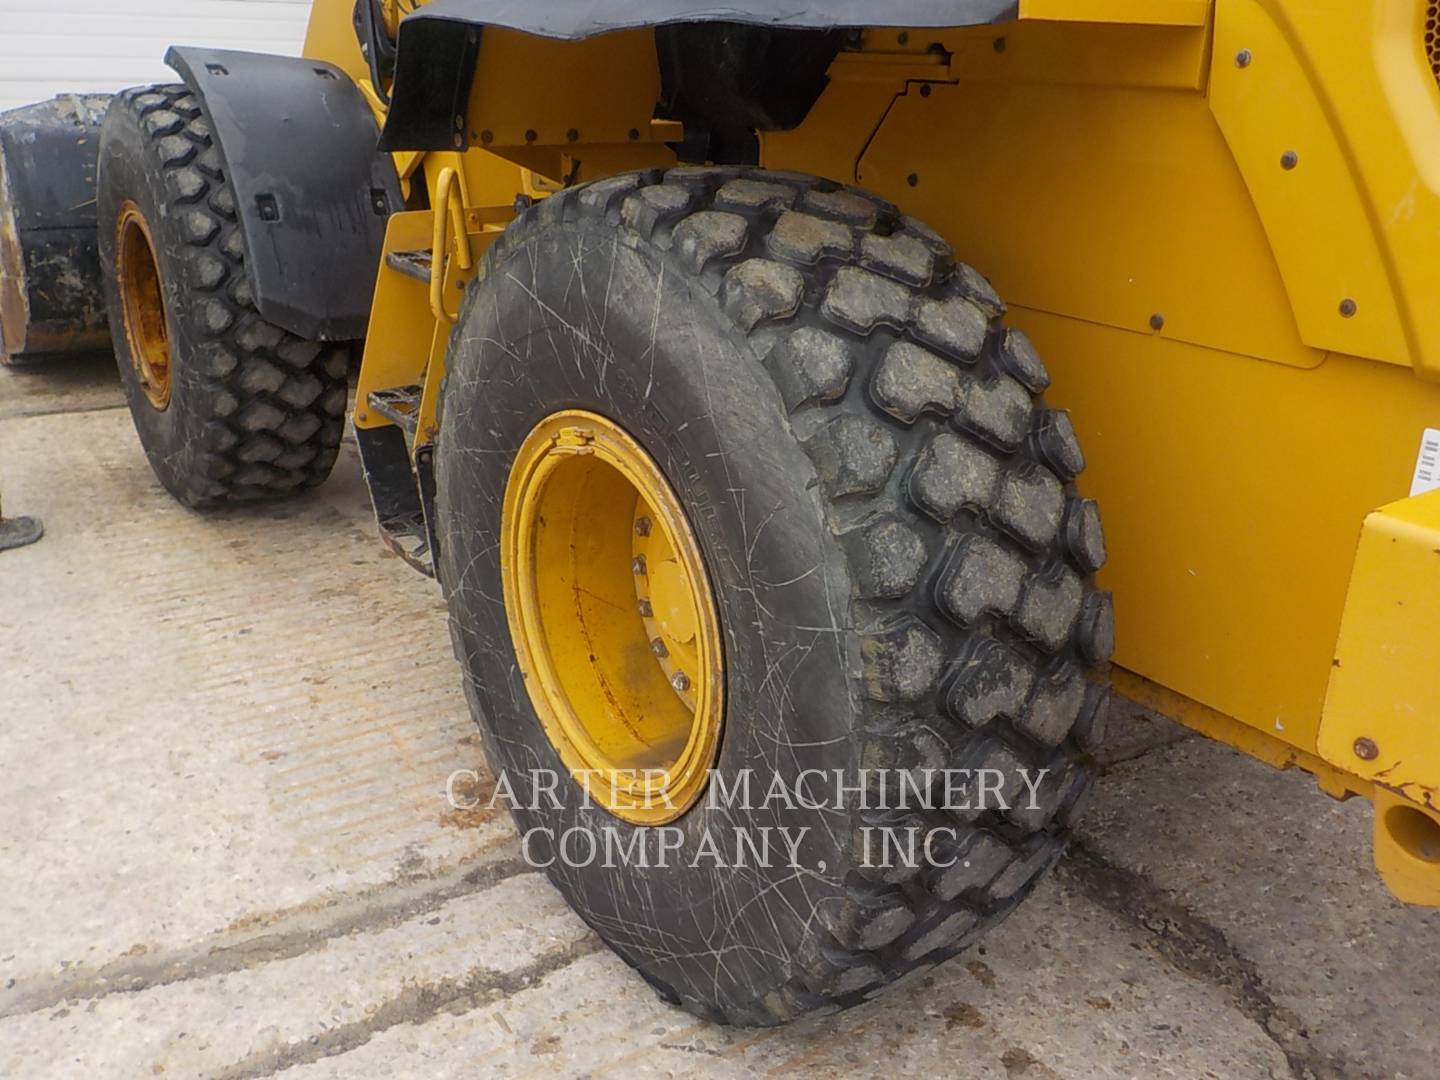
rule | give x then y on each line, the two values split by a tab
1232	492
1382	712
1315	219
1110	204
1366	63
1080	54
595	91
330	36
1130	12
855	102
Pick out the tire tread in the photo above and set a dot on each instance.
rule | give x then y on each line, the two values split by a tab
272	416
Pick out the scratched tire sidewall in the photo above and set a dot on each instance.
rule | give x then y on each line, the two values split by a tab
580	315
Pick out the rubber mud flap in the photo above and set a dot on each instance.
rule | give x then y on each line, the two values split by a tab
312	190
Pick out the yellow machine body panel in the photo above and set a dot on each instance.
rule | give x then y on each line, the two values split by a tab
330	36
1233	458
1220	222
391	355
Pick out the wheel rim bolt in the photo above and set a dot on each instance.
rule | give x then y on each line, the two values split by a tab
638	565
658	648
680	681
645	610
642	526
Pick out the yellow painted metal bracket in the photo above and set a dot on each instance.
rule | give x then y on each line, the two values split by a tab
1407	848
1382	709
599	90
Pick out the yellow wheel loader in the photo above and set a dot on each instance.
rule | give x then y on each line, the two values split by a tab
767	536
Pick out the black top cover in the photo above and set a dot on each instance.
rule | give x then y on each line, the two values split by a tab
572	19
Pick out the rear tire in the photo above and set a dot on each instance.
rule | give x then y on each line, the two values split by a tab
227	405
903	567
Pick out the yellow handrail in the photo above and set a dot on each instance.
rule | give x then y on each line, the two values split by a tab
449	211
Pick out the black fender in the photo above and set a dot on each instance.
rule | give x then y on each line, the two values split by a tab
312	189
437	45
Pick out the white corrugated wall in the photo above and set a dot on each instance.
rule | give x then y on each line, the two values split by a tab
51	46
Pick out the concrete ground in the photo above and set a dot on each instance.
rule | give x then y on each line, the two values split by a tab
225	847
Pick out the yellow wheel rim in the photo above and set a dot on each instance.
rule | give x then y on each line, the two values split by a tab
143	303
612	617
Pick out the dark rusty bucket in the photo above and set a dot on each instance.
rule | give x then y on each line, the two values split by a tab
51	301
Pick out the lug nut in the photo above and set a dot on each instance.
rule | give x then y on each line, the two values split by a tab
637	564
658	648
642	526
645	609
680	681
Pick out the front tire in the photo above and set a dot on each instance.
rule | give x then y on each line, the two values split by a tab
227	405
903	569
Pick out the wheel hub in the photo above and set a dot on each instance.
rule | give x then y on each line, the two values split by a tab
137	276
612	617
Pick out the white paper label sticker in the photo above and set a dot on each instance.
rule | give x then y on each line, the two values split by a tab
1427	466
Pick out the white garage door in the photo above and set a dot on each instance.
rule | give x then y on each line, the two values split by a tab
51	46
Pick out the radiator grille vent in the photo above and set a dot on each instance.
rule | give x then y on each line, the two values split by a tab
1432	36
